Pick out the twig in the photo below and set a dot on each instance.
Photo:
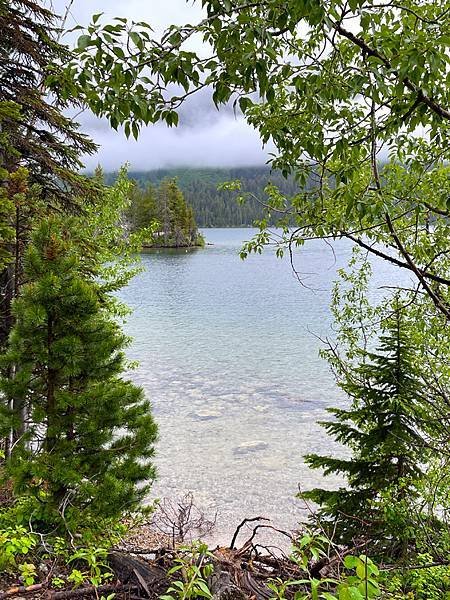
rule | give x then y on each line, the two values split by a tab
444	563
241	525
255	531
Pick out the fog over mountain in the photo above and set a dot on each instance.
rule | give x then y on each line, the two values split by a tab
205	136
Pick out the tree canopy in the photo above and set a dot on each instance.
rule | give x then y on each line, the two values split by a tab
353	94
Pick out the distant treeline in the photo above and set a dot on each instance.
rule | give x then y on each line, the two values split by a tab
213	208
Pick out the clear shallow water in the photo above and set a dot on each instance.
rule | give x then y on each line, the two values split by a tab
228	356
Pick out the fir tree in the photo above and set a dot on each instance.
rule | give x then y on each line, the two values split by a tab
382	431
35	133
40	146
178	233
167	208
89	435
143	210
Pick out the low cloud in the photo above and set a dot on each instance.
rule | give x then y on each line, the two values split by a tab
225	142
205	137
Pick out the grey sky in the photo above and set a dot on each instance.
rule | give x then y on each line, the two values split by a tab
205	136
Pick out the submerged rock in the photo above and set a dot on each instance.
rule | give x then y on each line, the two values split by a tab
207	415
253	446
271	464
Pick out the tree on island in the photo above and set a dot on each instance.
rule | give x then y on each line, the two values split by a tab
166	208
142	210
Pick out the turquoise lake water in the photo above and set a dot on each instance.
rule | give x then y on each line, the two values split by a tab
228	354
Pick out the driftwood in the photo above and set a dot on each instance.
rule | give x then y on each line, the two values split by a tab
241	525
94	592
239	573
148	576
22	589
235	577
223	587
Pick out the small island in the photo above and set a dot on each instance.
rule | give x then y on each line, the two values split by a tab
164	210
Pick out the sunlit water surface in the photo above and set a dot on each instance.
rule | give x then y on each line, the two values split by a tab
228	355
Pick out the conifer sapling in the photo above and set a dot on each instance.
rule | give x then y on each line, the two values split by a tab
89	433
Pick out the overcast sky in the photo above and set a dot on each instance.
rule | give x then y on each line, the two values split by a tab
205	137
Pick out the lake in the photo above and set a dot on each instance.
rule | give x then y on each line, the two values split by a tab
228	356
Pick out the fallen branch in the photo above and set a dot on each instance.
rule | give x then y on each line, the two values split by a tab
22	589
92	590
241	525
255	531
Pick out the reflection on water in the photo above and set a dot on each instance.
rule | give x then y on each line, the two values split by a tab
228	353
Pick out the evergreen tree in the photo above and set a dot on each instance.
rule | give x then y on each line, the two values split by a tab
178	233
89	435
168	209
143	210
34	132
178	222
40	146
381	429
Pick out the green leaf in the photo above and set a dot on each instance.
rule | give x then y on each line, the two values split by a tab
350	561
83	41
204	588
119	52
137	40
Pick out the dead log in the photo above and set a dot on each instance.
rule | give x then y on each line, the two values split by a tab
235	576
22	589
222	586
147	576
91	591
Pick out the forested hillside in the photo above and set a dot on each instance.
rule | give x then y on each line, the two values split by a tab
212	207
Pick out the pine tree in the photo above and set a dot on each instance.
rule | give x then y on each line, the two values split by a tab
34	132
382	431
89	435
40	146
179	235
142	211
168	208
